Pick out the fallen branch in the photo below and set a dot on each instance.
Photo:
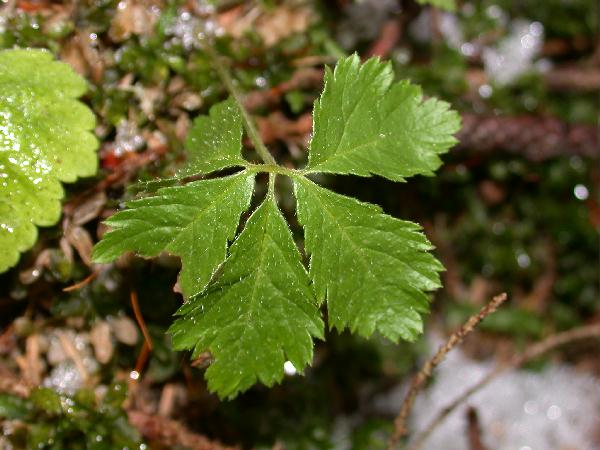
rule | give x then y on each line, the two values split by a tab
532	352
73	354
419	379
87	280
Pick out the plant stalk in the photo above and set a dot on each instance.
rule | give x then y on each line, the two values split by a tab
251	130
274	169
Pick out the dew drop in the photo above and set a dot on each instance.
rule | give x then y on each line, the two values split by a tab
289	368
581	192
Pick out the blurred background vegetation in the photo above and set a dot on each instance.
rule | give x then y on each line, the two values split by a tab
514	208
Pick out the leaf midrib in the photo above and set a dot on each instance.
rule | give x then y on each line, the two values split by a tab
358	249
181	230
347	237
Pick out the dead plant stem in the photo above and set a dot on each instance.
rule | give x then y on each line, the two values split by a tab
530	353
419	379
249	125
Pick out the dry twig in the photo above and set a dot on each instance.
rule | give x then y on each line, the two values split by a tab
147	346
419	379
140	319
81	283
532	352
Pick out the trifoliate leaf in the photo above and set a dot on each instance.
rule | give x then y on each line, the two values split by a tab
194	222
365	124
372	269
215	141
45	138
260	312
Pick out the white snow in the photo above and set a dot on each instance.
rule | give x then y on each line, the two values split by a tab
555	409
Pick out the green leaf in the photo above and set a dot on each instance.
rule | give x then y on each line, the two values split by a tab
365	124
45	138
373	270
215	141
260	311
194	222
448	5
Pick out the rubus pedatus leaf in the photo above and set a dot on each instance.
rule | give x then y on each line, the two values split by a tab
365	124
194	221
259	313
45	139
374	272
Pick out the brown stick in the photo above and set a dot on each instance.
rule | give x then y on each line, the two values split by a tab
532	352
81	283
303	78
419	379
33	359
140	319
389	37
171	433
141	361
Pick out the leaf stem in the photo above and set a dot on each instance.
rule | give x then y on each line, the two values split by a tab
251	130
272	177
274	169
